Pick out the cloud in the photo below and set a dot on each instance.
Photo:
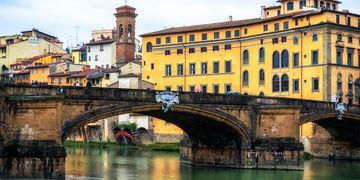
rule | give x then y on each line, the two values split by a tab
59	17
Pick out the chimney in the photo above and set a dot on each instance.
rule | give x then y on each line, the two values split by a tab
345	11
262	12
230	18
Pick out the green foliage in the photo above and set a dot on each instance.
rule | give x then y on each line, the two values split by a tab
131	126
307	156
163	147
4	68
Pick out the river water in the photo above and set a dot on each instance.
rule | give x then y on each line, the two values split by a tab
121	163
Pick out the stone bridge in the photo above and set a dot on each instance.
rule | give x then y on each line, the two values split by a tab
224	130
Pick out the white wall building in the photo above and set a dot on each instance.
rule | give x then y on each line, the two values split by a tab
101	53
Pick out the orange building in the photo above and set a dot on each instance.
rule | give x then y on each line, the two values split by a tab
39	73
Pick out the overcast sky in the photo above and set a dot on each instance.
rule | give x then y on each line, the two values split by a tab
60	17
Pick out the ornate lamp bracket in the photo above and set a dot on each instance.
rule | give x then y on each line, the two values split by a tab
341	108
168	100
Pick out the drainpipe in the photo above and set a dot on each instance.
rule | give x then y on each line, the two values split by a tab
185	65
240	63
301	62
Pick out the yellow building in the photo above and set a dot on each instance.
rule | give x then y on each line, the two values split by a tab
15	49
39	73
79	55
299	49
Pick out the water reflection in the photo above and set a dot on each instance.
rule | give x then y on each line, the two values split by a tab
121	163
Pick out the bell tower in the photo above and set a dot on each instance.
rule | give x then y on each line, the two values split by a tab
125	37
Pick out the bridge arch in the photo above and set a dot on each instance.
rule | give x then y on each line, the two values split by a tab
209	127
347	129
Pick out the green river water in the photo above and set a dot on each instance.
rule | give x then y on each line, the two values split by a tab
121	163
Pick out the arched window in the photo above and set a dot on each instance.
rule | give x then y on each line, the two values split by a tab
262	77
339	38
290	6
245	78
261	54
276	84
327	6
246	57
285	59
334	7
322	4
296	40
316	3
315	37
149	47
284	83
276	60
262	94
350	39
302	4
129	30
121	31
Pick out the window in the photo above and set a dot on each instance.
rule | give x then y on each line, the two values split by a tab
149	47
168	40
246	57
89	58
276	27
216	67
167	52
216	89
283	39
101	47
349	21
96	58
215	48
192	37
237	33
216	35
276	84
278	12
158	40
350	39
295	85
262	41
89	49
204	37
296	22
302	4
315	37
204	88
192	88
180	39
285	59
180	70
192	69
339	38
245	31
290	6
107	76
337	19
276	60
286	25
228	67
266	28
339	53
358	23
285	83
228	47
262	77
315	84
327	6
67	80
261	55
228	34
52	80
296	40
59	80
180	51
227	88
316	3
180	88
245	78
152	65
296	59
275	40
191	50
315	57
203	49
168	70
333	7
204	68
168	88
350	58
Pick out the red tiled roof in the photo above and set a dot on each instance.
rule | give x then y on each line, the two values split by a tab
106	41
69	73
84	73
129	75
22	72
40	66
220	25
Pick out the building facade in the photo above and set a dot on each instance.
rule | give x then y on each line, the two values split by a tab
101	53
306	49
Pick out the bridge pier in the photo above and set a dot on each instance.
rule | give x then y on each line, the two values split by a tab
32	159
338	150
